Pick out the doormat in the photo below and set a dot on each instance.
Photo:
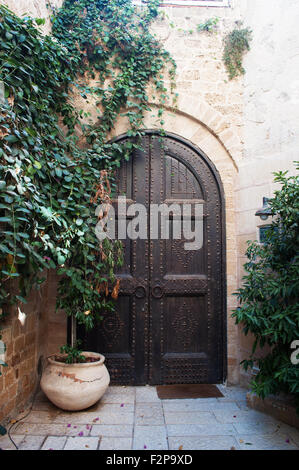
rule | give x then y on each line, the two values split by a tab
188	391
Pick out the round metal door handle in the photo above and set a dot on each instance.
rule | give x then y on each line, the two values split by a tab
140	292
157	292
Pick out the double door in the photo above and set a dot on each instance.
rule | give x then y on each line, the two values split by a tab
168	325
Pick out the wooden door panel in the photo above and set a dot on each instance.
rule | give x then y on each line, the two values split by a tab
185	300
184	325
183	262
168	326
179	181
122	335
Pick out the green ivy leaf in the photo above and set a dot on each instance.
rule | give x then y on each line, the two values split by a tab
40	21
11	139
37	165
2	430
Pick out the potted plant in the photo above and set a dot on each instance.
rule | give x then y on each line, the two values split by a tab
75	380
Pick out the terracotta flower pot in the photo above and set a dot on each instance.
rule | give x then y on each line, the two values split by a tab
75	386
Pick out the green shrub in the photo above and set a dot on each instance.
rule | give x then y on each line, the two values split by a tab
269	297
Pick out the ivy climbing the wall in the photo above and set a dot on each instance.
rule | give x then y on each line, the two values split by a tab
55	167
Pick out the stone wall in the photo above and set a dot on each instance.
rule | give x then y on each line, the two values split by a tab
25	344
28	345
248	127
271	116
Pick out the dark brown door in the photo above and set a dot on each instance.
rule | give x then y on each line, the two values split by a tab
168	326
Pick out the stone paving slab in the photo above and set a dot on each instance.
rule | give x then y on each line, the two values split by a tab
224	406
203	443
116	394
189	417
54	443
241	416
31	443
242	404
6	444
77	417
81	443
150	438
186	405
290	432
200	430
40	417
119	430
198	405
50	429
116	443
110	407
256	428
135	417
267	442
149	414
226	400
103	413
78	429
116	417
40	429
234	393
146	395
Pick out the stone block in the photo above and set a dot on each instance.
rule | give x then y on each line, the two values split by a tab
119	395
203	443
54	443
116	443
118	430
149	414
81	443
146	395
31	443
150	438
200	430
190	417
265	442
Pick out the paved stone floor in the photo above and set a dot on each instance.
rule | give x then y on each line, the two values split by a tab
135	418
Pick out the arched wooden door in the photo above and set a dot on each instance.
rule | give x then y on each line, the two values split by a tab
169	324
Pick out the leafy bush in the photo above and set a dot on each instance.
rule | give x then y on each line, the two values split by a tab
269	297
49	185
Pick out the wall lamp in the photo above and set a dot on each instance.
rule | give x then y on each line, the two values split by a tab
265	212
